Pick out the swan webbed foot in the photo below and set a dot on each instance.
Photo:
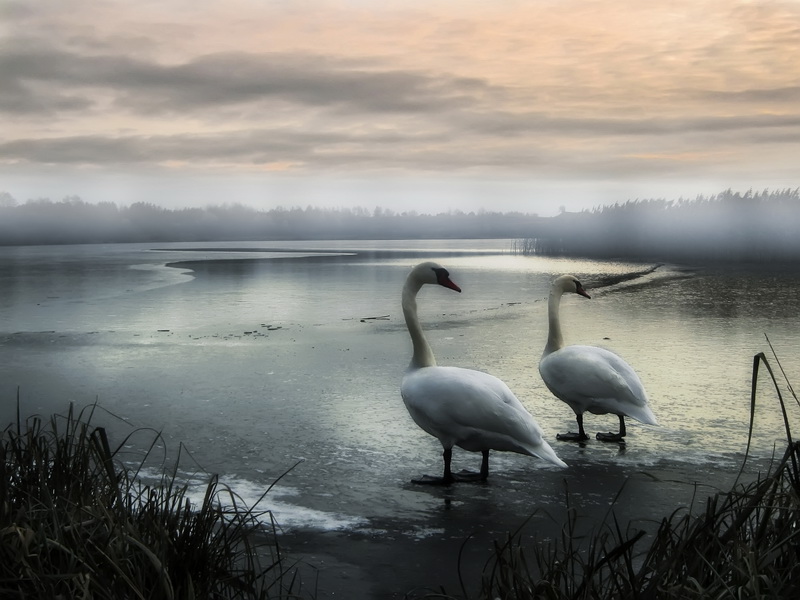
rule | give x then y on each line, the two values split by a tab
466	476
430	480
460	477
572	437
611	437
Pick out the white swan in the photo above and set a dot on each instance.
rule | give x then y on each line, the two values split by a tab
589	378
462	407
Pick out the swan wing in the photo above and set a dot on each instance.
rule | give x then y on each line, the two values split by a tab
594	379
474	410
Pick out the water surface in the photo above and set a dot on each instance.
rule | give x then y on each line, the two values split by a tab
263	358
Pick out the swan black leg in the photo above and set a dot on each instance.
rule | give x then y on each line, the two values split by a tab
485	466
449	477
447	455
472	476
446	478
574	437
614	437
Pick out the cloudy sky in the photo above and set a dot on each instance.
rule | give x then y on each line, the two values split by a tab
404	104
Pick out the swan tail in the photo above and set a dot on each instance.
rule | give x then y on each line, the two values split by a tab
643	414
545	452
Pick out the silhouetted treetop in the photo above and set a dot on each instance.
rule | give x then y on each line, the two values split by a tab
72	220
750	226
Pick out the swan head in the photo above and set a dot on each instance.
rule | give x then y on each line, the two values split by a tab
431	272
569	284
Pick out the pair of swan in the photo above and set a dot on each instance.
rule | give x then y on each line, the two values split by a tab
478	412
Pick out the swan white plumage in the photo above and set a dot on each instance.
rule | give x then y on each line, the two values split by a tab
588	378
462	407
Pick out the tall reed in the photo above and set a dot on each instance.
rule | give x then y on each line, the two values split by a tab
75	523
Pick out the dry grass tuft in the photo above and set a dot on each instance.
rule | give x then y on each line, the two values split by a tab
76	524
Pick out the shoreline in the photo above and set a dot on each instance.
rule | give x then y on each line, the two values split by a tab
384	561
401	549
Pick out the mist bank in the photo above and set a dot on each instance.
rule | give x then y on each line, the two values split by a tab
73	221
730	226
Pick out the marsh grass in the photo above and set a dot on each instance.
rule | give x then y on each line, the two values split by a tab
744	543
75	523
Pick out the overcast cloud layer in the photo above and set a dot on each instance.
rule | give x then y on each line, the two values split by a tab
504	105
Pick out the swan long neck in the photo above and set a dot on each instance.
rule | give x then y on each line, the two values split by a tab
555	341
423	355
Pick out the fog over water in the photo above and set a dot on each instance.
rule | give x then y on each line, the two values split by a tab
730	226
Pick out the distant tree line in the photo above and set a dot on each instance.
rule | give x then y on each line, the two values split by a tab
729	226
73	221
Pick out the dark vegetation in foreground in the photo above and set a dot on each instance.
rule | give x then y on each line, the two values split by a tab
730	226
74	523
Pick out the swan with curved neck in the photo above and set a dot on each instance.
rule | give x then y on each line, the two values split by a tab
462	407
588	378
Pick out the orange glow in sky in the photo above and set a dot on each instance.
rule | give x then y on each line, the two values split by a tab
508	105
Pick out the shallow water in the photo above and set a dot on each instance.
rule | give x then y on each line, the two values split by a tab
264	362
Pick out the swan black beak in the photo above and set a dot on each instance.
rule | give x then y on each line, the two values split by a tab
582	292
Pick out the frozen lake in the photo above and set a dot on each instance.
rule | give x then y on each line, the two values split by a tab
262	356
